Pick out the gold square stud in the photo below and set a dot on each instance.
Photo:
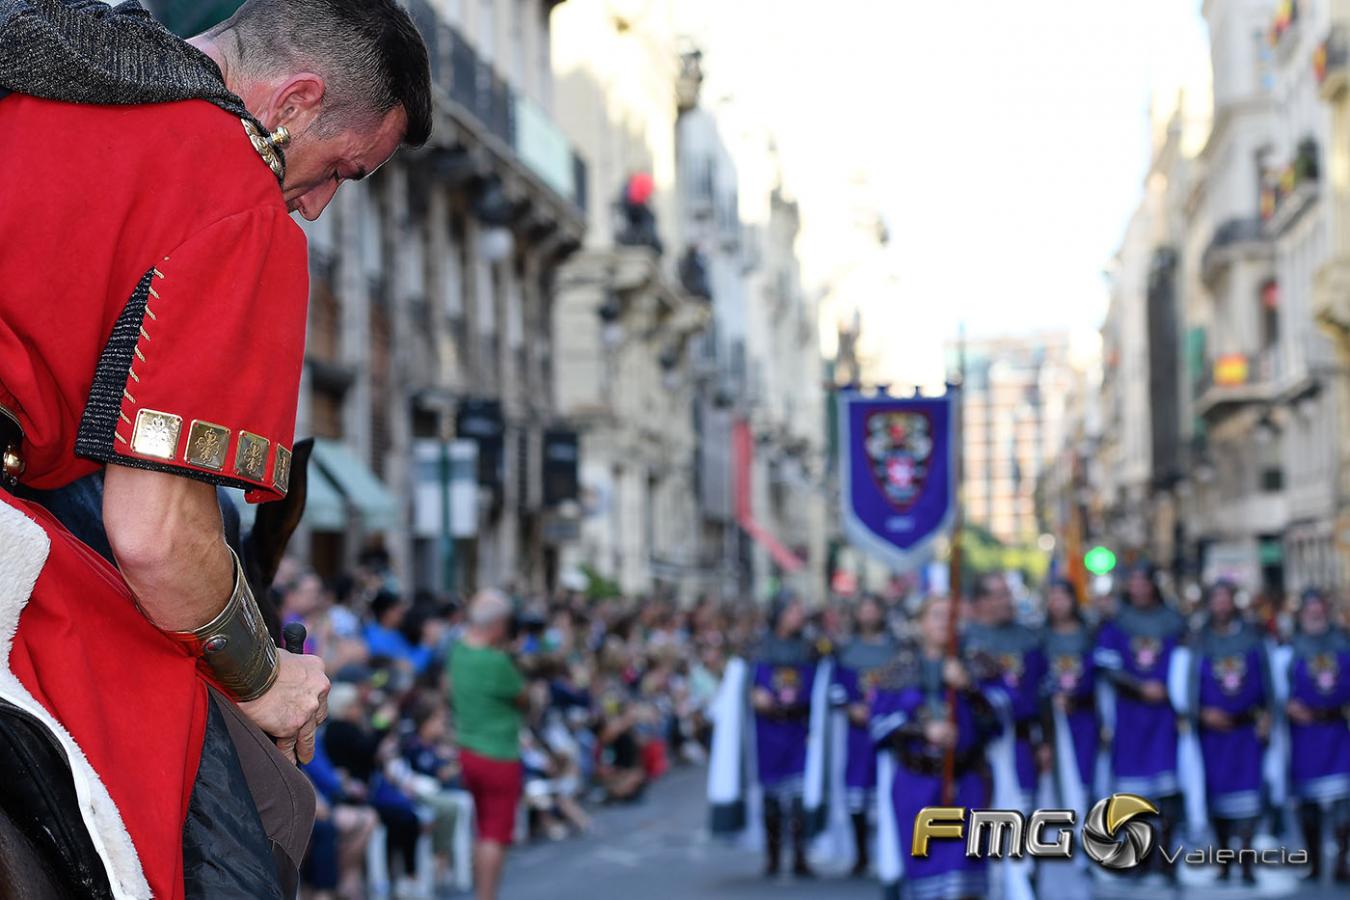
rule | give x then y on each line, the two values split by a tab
156	434
250	457
207	444
281	469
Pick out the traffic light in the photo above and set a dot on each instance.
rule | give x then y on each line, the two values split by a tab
1099	560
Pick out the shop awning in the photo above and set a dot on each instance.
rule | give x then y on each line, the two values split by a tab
356	484
785	558
325	509
743	451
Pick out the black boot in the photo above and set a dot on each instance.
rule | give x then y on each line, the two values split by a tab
1343	854
1172	812
773	836
799	867
1246	833
1276	817
1222	833
1310	817
861	866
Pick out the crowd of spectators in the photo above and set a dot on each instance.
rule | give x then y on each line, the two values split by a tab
616	691
612	692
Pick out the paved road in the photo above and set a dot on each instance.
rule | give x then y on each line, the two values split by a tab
657	850
660	850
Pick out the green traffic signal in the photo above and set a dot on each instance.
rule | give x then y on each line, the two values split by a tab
1099	560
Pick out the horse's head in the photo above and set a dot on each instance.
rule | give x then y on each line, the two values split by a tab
265	545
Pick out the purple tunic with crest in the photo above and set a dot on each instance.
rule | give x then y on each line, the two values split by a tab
907	697
1015	664
857	669
1230	672
1068	657
1136	647
1319	753
787	670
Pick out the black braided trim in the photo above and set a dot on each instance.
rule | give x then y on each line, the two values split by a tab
96	438
98	425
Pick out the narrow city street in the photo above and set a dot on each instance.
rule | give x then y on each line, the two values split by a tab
660	850
930	419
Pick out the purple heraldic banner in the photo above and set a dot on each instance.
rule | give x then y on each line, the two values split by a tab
898	473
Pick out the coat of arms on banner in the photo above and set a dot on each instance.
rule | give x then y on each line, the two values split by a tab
899	445
897	473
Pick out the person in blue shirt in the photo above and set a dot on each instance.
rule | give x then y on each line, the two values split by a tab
343	826
384	636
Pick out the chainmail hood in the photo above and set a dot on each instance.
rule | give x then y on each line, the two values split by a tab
84	51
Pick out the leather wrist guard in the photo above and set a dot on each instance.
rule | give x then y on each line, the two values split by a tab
235	647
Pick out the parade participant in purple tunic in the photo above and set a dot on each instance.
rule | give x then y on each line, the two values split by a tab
859	665
910	721
1011	654
780	695
1133	653
1069	682
1319	736
1229	684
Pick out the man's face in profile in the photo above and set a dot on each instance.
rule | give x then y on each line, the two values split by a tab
316	165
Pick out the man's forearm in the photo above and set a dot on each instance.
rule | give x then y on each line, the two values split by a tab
166	533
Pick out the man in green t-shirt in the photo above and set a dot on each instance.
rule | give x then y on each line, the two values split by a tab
487	694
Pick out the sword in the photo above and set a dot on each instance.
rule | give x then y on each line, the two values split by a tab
293	641
293	638
954	576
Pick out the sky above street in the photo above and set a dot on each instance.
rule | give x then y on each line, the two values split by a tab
1003	144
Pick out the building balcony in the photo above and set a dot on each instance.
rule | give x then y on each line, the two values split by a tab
1253	513
1285	28
694	275
1331	63
479	99
1286	198
1234	380
1233	240
1331	295
483	104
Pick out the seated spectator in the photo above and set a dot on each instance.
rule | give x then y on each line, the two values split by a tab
349	740
552	775
705	674
357	741
384	636
344	824
435	780
392	793
657	724
620	770
330	630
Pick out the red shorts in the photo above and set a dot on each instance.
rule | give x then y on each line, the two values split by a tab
495	785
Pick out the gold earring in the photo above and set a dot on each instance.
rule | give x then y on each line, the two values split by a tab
281	137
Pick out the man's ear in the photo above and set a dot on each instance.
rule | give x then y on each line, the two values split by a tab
297	102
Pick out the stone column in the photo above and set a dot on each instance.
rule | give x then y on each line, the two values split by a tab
354	339
403	284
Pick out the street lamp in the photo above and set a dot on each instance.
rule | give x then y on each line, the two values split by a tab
495	244
1265	431
611	333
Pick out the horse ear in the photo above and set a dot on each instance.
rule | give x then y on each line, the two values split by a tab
273	526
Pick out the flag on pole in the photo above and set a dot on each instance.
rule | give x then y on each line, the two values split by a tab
1075	570
897	473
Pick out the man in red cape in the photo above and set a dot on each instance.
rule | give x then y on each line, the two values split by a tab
153	293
